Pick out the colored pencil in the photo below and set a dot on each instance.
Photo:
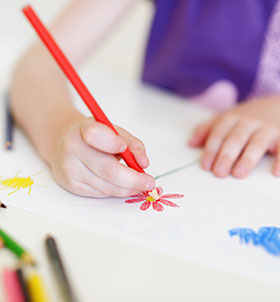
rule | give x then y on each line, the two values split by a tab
1	242
2	205
9	124
36	288
59	270
12	286
76	81
16	248
23	285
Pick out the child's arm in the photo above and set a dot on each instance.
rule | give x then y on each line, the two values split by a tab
80	151
235	141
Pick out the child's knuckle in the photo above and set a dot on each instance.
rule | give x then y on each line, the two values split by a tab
111	191
69	144
68	171
89	134
110	173
236	137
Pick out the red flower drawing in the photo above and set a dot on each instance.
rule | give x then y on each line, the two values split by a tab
155	198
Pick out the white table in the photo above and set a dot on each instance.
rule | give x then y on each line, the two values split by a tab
103	268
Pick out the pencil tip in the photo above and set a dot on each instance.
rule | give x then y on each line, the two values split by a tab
3	206
28	259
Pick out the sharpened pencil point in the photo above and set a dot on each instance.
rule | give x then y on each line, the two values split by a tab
2	205
1	243
28	259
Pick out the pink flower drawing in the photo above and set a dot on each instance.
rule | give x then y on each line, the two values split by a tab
155	198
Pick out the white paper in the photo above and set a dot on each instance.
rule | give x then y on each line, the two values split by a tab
198	229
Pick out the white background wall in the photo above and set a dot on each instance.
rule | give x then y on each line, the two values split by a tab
120	54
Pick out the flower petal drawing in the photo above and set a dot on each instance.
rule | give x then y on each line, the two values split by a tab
169	203
135	200
172	196
155	199
158	207
159	190
145	205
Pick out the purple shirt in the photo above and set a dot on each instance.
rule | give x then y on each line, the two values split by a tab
195	43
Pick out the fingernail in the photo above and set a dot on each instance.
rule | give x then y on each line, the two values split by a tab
220	170
150	186
123	148
240	170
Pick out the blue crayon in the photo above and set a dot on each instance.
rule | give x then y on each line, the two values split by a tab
266	237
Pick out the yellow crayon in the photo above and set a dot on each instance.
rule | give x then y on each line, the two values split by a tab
36	288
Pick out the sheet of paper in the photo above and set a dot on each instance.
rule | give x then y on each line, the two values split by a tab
199	229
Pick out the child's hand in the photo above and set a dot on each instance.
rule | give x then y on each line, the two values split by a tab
236	140
86	161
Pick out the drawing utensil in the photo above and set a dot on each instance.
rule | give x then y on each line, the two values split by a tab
12	286
23	285
2	205
16	248
74	78
36	288
9	124
1	242
176	169
59	270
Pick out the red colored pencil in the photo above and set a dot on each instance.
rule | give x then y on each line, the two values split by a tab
74	78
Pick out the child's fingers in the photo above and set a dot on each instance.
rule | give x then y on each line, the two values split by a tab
106	189
70	177
276	165
86	190
255	150
136	146
200	134
214	141
109	169
101	137
232	147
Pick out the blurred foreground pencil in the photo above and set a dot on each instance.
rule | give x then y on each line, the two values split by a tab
23	285
16	248
36	288
1	242
12	286
9	124
2	205
59	269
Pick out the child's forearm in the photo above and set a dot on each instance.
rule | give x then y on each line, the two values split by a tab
40	101
41	104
